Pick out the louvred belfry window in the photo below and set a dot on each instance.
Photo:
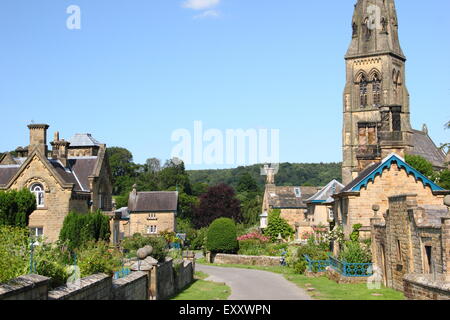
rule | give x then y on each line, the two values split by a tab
376	85
363	92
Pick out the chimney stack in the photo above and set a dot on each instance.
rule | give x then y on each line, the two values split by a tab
38	138
60	150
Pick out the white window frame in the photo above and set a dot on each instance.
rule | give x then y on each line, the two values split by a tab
34	232
153	229
38	190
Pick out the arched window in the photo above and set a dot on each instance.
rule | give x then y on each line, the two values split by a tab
363	91
376	89
38	191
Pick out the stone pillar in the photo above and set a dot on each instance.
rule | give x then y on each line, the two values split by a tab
446	241
374	221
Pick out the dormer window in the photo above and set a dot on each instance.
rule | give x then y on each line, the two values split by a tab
298	192
38	191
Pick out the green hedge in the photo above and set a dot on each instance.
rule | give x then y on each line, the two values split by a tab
79	229
222	236
16	207
137	241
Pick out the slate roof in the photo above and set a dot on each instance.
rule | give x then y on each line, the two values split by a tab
326	193
78	172
424	146
286	198
157	201
83	140
377	169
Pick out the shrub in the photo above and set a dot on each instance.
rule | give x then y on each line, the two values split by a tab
300	266
277	226
355	252
79	229
16	207
14	252
315	251
199	239
252	247
354	236
138	241
254	236
50	262
97	257
222	237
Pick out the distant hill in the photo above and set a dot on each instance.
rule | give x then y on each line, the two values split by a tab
290	174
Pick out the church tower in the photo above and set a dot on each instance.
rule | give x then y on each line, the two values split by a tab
376	100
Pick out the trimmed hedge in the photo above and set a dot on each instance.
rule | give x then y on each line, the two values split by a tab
222	236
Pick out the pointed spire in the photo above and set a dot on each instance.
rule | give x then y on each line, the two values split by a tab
375	29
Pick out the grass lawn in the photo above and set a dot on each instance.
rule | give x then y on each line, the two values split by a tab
326	289
204	290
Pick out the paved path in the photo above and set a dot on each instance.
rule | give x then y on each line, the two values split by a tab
248	284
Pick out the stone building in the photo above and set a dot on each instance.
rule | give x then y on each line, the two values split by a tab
321	205
62	179
375	184
148	213
376	99
412	238
290	200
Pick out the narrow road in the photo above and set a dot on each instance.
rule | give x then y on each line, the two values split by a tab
247	284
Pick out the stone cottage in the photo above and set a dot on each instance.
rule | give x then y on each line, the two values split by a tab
290	200
410	242
320	206
379	181
148	213
73	176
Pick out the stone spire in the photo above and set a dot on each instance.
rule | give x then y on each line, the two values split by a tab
375	29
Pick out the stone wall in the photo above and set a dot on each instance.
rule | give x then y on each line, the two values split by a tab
28	287
221	258
95	287
132	287
139	223
339	278
424	287
160	283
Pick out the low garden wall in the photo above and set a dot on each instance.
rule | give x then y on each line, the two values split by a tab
160	283
132	287
266	261
339	278
425	287
28	287
95	287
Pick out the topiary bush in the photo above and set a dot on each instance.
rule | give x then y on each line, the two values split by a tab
222	236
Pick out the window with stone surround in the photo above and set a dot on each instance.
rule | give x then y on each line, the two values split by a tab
376	90
152	229
38	191
363	92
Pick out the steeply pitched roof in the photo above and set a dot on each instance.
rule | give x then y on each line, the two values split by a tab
424	146
287	198
158	201
83	140
374	170
326	193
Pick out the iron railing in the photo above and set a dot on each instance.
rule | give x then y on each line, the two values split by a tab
344	268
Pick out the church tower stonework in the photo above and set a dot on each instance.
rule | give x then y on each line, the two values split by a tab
376	100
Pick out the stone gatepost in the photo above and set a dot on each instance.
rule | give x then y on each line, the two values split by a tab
147	264
375	220
446	242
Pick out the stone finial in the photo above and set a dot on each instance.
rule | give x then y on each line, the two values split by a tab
375	209
447	201
425	128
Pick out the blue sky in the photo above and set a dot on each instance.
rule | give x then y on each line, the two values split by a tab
140	69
